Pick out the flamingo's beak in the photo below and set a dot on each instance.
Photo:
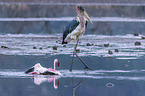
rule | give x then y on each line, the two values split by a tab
58	64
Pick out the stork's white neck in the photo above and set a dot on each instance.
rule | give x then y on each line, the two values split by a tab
82	20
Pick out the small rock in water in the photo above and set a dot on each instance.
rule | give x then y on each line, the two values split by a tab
4	47
77	50
54	47
110	52
136	34
106	45
137	43
34	48
116	50
142	37
89	44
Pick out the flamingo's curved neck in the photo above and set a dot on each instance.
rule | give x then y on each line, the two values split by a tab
54	83
54	65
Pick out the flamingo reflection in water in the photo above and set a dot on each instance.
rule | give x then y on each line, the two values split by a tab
38	79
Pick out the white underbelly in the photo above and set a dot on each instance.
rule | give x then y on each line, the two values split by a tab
78	32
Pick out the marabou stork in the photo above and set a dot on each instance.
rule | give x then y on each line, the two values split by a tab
75	29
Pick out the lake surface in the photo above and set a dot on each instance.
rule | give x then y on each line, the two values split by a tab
89	83
120	73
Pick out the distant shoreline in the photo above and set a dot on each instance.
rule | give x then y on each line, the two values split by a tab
74	1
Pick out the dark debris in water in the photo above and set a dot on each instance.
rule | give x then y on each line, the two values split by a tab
5	47
110	52
40	48
78	50
136	34
137	43
116	50
143	37
34	48
64	45
106	45
54	47
89	44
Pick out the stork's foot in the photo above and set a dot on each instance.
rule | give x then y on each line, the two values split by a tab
70	69
87	68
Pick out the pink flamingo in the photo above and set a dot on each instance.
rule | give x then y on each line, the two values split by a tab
38	69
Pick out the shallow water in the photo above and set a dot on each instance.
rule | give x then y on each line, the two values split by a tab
29	44
87	83
113	74
95	74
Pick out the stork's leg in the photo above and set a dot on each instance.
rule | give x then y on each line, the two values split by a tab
71	63
74	53
86	67
76	45
73	57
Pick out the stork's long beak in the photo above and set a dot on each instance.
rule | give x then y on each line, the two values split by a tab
87	16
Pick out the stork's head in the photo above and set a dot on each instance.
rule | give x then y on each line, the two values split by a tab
81	10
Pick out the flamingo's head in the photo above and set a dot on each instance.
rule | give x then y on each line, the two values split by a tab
56	61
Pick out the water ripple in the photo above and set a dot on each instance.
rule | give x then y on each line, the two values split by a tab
96	74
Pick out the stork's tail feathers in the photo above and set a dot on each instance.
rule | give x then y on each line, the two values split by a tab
63	42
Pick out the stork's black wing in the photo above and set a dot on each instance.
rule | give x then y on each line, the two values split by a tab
86	24
69	28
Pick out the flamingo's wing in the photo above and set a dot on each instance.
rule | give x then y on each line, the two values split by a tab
29	70
48	73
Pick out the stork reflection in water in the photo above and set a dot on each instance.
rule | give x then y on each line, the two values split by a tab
75	86
75	29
